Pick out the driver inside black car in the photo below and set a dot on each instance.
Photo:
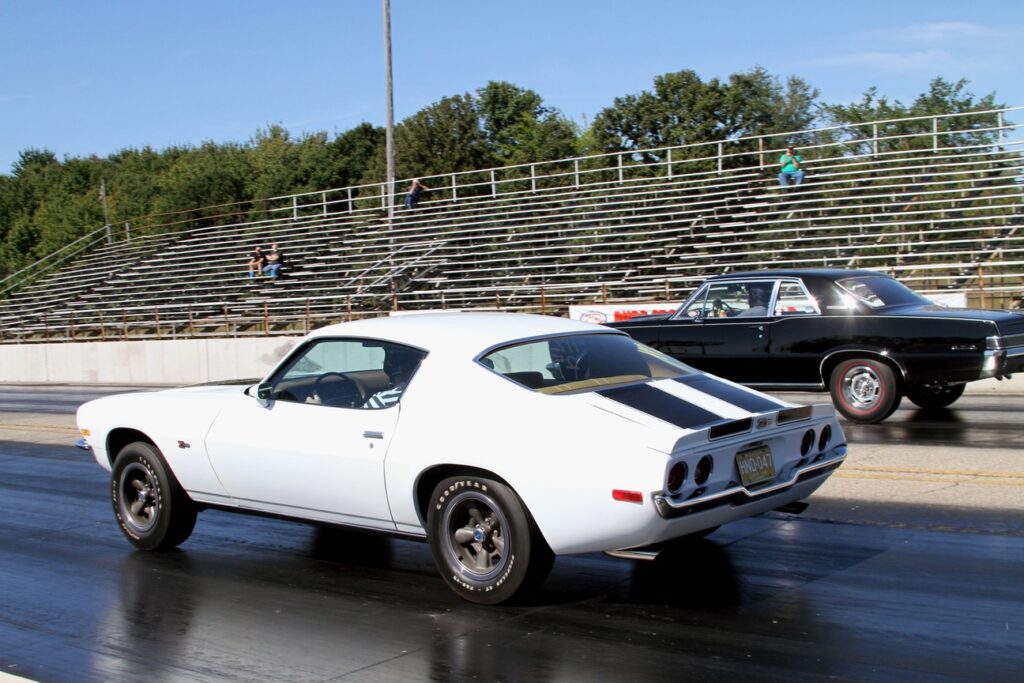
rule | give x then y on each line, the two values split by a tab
757	302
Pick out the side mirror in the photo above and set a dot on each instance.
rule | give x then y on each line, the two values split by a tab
264	391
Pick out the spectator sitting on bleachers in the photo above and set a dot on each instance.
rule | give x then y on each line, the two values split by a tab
275	261
416	190
256	260
791	168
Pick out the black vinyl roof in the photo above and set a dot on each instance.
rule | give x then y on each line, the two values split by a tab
825	273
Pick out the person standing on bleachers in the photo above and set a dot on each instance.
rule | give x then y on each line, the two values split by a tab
257	259
791	164
275	261
416	190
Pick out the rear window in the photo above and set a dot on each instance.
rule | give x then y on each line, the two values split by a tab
580	362
878	291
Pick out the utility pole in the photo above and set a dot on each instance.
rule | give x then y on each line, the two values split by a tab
390	131
106	212
389	139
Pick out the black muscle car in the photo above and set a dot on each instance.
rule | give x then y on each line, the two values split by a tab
861	335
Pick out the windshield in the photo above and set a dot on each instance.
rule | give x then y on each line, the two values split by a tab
877	291
580	362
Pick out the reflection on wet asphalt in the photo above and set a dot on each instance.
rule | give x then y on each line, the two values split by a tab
771	598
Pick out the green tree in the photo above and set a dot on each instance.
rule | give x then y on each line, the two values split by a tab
520	129
942	97
685	110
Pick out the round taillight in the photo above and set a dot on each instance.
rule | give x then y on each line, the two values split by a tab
703	470
807	442
676	477
826	436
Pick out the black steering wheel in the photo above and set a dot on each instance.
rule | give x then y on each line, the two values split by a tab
335	389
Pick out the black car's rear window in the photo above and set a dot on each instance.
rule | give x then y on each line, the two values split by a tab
879	291
579	362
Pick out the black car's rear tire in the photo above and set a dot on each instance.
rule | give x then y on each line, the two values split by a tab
150	506
934	396
484	542
864	390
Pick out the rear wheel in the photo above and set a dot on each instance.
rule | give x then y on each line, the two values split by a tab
484	542
864	390
152	509
934	396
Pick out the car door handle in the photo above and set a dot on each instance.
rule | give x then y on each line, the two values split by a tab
373	435
759	328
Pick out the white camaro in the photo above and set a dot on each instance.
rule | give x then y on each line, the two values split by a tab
502	439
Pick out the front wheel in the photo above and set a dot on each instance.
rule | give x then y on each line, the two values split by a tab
935	396
864	390
152	509
483	540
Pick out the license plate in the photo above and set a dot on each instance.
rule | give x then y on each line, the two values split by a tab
756	466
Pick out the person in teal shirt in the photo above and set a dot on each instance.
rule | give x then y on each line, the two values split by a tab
791	168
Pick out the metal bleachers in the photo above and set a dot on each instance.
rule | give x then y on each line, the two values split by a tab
597	228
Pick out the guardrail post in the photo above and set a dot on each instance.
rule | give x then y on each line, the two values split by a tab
576	171
266	319
444	305
760	153
1000	121
127	232
935	134
383	196
394	301
306	329
323	200
295	207
348	315
543	301
719	158
350	206
874	144
668	166
455	189
494	186
533	178
621	179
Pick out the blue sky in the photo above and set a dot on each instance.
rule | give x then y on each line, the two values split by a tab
84	78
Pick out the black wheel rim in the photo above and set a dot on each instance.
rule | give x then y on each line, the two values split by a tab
138	499
476	535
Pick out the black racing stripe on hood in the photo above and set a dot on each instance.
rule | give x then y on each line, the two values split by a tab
662	405
726	392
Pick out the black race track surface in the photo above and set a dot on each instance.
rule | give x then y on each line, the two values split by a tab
775	598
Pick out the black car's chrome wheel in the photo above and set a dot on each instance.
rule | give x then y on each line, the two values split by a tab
152	509
483	540
864	390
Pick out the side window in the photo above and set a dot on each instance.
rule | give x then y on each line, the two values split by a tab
794	299
730	300
347	373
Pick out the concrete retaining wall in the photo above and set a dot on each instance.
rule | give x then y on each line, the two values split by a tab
188	361
193	361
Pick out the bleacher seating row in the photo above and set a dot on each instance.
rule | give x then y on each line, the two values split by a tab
939	218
